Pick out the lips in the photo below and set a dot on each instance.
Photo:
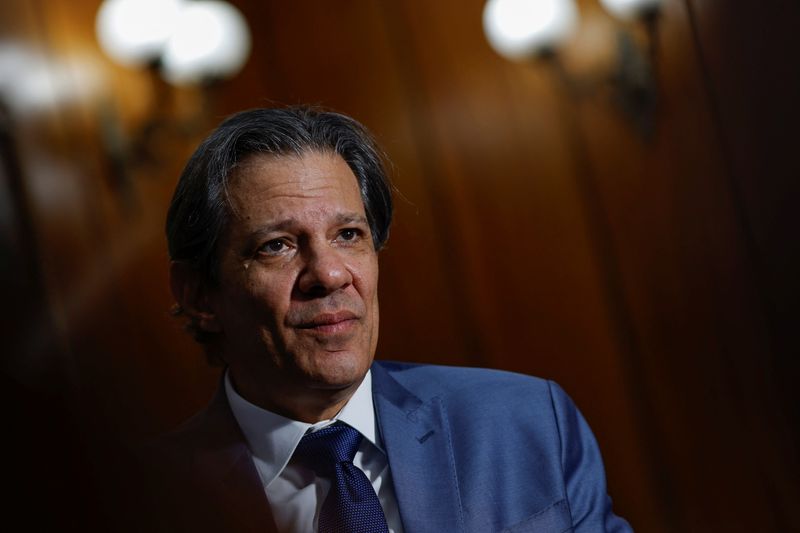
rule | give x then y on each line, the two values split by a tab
329	322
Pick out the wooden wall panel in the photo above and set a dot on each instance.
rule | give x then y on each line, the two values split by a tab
652	278
751	95
679	252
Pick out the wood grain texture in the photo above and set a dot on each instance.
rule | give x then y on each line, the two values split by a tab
653	279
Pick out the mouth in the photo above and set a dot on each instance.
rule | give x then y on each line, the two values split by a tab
330	323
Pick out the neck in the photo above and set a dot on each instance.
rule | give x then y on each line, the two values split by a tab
305	404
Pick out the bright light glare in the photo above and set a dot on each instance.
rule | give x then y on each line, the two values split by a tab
627	9
32	81
518	29
133	32
211	40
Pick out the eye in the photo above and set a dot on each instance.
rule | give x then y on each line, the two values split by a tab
349	234
273	247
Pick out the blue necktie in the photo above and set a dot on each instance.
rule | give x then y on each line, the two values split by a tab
352	505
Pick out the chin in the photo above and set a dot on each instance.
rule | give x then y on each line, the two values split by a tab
334	371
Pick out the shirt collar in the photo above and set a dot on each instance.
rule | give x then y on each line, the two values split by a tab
272	438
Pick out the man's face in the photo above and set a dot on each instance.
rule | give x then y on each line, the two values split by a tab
297	303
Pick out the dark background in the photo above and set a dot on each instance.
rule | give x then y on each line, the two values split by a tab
653	278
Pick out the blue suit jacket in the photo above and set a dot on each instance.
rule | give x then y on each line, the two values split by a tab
470	450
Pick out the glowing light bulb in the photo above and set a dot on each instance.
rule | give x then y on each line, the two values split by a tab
211	40
518	29
133	32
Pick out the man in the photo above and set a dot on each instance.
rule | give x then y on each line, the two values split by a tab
274	232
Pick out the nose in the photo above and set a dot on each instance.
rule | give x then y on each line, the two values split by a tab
324	272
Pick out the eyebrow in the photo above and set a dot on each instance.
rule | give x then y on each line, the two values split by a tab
288	223
284	224
351	218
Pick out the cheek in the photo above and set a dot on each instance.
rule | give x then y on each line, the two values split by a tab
369	270
261	298
270	293
375	317
367	288
370	288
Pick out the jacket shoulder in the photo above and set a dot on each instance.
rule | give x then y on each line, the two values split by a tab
438	380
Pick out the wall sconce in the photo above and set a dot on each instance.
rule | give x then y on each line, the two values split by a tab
522	30
186	43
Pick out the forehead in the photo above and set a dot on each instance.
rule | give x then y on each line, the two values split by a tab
291	185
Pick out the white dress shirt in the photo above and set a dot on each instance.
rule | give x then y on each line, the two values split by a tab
295	493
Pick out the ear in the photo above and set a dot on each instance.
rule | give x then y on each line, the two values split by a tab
190	291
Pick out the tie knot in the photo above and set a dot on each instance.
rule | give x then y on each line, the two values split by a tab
322	450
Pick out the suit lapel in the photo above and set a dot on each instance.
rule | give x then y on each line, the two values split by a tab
416	437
